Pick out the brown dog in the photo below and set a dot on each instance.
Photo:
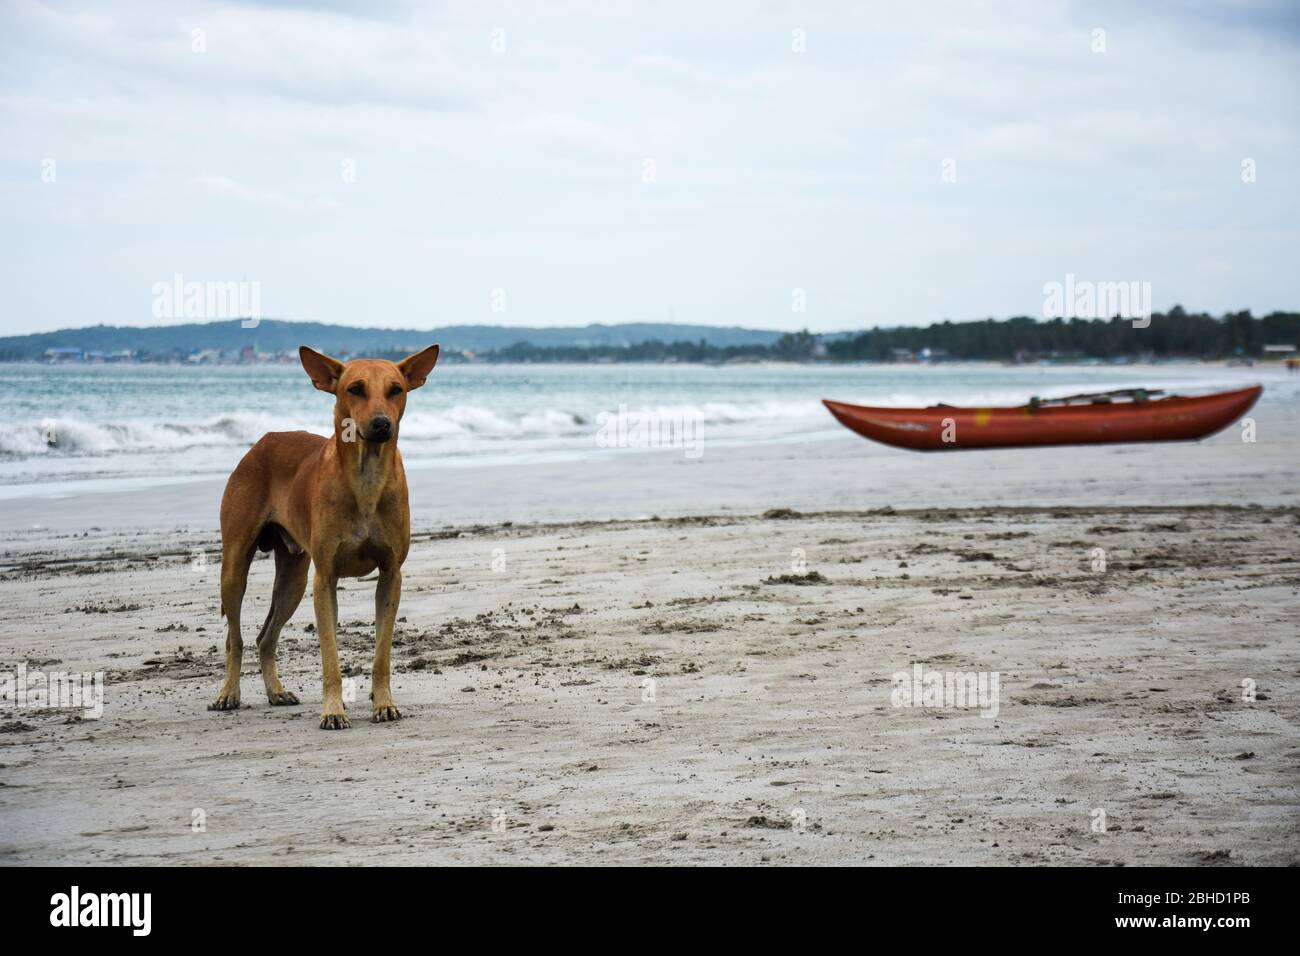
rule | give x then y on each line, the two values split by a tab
339	503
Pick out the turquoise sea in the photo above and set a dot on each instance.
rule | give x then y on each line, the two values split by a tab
142	424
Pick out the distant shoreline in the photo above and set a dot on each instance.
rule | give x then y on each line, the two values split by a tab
1176	334
1084	362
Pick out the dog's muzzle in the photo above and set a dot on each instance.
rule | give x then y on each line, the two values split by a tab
380	429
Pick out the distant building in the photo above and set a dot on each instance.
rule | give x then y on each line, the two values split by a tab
64	355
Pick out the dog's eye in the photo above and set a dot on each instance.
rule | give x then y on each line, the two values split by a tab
394	391
356	388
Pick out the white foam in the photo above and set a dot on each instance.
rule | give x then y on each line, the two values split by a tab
514	414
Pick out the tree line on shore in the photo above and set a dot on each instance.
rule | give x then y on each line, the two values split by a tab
1175	334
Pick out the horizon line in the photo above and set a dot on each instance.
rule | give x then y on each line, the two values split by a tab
615	325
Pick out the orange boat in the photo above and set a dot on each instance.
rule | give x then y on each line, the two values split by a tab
1126	415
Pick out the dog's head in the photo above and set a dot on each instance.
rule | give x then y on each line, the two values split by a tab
369	394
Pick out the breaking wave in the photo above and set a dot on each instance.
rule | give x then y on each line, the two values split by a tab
467	425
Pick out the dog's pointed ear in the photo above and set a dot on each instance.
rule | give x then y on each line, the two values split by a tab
323	371
416	368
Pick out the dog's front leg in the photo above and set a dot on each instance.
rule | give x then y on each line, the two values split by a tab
325	598
388	593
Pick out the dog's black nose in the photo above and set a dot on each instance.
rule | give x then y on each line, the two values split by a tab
381	428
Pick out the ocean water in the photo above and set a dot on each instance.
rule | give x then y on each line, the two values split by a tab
115	425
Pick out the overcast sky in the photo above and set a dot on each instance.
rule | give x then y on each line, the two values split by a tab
613	162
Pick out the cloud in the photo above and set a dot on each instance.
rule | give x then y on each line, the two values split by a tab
496	145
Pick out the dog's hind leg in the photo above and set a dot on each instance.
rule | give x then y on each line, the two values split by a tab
290	584
236	556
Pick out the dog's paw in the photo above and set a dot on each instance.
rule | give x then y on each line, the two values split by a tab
382	715
334	722
225	702
282	698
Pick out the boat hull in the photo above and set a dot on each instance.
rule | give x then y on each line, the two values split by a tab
945	429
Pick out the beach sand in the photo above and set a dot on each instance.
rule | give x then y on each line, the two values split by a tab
597	663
